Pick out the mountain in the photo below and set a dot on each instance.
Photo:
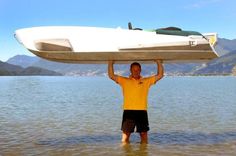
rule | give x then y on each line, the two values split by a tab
226	44
101	69
39	71
22	60
71	69
7	69
220	66
63	68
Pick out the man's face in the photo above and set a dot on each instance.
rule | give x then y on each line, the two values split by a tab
135	71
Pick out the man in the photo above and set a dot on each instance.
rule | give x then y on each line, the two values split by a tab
135	91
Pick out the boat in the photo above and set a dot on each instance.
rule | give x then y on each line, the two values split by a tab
98	45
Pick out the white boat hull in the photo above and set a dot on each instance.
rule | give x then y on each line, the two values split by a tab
99	45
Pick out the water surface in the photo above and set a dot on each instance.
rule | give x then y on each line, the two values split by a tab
82	116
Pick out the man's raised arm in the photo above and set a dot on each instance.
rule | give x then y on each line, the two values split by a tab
160	70
111	71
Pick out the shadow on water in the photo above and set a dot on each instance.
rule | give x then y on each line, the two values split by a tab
76	140
192	138
168	138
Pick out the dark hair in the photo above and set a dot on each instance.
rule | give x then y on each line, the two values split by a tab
135	64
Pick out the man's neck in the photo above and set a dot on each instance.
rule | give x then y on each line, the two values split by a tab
136	78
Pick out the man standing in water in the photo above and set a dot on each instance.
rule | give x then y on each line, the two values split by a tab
135	91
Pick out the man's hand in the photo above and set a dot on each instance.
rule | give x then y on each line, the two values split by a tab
158	61
111	62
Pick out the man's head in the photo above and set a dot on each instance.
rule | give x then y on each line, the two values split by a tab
135	70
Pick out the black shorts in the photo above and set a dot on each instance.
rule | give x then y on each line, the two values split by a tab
135	118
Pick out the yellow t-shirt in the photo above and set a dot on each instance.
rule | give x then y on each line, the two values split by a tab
135	92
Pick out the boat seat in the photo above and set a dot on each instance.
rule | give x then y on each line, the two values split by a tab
53	45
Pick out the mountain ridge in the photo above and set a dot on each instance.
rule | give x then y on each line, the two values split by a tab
7	69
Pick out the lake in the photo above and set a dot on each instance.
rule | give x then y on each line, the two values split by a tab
82	116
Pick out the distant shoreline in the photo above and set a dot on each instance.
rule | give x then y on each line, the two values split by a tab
210	75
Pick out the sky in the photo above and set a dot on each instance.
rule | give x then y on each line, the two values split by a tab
197	15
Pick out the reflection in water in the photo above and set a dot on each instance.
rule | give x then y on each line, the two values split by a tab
135	149
162	139
167	143
77	140
192	138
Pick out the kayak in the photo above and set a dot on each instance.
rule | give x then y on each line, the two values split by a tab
97	45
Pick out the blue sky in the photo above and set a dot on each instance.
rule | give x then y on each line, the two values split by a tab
199	15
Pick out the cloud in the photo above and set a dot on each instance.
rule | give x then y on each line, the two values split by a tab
202	3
